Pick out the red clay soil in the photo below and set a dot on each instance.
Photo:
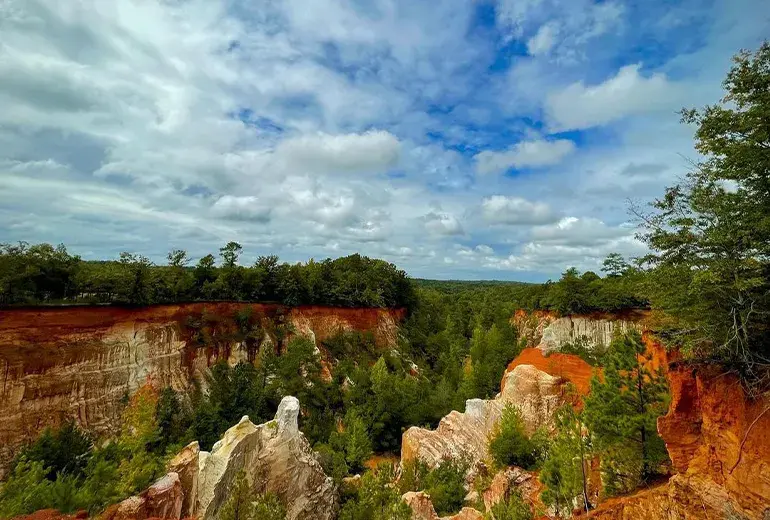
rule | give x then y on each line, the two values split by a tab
566	366
52	514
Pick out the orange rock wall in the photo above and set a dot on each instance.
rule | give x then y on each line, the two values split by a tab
82	362
717	438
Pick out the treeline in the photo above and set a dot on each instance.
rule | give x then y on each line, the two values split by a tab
621	286
42	273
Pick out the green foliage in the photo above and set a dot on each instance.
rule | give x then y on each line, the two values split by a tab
376	498
510	444
358	447
513	508
65	450
622	411
45	274
446	486
710	234
243	504
332	461
566	467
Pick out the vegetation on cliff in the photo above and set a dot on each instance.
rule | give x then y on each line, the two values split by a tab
42	273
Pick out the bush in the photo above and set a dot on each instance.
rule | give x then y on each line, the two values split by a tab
514	508
376	498
446	486
510	445
62	451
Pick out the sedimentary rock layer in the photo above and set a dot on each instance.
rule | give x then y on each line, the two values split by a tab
716	437
534	392
549	332
82	362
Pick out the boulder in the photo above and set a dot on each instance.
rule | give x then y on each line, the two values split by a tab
508	479
422	507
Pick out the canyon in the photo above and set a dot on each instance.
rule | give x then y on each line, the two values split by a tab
714	432
82	363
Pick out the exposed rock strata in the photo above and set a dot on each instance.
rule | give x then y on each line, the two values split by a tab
276	458
550	332
717	440
534	392
80	362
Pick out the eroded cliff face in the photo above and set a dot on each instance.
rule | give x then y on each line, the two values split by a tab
716	437
82	362
549	332
534	384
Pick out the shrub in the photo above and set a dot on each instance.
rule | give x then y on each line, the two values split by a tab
510	445
446	486
514	508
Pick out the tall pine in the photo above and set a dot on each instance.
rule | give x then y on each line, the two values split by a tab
621	413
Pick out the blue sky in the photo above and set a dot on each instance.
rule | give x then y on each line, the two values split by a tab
459	139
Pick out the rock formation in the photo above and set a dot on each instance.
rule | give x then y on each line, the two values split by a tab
161	500
716	437
537	391
276	458
422	508
549	332
80	362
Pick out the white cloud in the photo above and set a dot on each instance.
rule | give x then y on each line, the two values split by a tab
526	154
500	209
544	40
369	152
628	92
442	224
574	231
241	208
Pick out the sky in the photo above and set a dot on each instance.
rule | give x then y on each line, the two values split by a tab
471	139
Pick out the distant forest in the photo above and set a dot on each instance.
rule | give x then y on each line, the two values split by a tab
42	273
45	274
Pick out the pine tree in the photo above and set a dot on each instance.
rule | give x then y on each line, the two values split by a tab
565	470
621	413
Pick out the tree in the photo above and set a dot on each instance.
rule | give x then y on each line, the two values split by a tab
446	486
230	253
243	504
622	412
614	265
510	444
137	289
358	448
376	498
63	450
512	508
566	466
710	234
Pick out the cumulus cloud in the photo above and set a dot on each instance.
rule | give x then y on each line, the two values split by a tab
241	208
309	128
369	152
442	224
574	231
526	154
628	92
500	209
